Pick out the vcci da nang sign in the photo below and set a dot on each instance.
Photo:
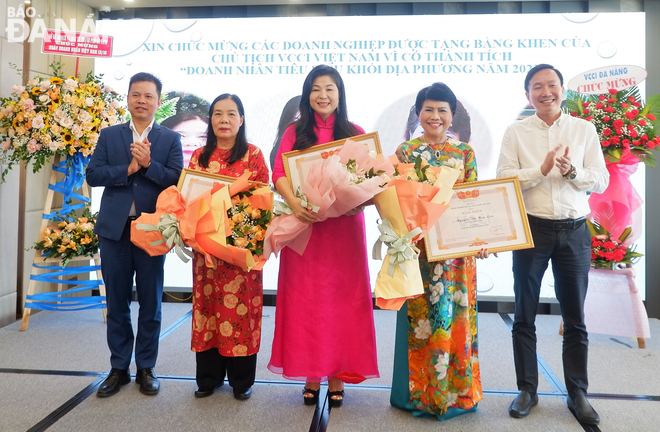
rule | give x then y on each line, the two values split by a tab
601	80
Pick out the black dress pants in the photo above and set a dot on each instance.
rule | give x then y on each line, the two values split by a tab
568	247
213	367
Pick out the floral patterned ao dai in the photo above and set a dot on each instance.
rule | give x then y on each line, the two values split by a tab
228	301
436	364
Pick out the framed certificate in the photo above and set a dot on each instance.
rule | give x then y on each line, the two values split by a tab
193	183
485	214
297	162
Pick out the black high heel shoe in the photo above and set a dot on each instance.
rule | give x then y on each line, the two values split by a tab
336	403
311	400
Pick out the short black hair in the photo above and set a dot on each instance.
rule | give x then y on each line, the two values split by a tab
540	67
436	92
146	76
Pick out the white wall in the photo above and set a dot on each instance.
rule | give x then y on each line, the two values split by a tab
36	185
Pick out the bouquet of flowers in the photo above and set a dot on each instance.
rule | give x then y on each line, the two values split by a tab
73	236
413	202
157	233
55	115
227	222
248	225
339	183
626	127
608	251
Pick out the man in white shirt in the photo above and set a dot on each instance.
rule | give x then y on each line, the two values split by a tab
557	159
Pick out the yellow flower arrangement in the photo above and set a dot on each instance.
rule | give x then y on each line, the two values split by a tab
55	116
72	236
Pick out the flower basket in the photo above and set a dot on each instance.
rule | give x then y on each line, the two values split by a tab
71	237
609	252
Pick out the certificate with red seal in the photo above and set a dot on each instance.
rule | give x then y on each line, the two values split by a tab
486	214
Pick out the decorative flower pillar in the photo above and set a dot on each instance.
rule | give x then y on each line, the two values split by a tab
627	136
58	119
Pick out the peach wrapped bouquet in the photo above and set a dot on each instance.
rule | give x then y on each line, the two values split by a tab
228	222
412	203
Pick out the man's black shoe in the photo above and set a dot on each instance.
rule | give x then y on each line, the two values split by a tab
203	392
582	409
113	382
522	404
245	395
149	384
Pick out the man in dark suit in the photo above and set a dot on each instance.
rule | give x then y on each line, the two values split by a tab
135	162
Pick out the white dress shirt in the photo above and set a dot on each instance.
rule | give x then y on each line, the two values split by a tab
524	147
138	138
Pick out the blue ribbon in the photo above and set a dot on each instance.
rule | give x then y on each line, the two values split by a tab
73	169
42	300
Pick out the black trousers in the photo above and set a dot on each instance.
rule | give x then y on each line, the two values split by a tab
568	247
213	367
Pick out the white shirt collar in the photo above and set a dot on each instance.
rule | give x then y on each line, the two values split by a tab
146	130
543	125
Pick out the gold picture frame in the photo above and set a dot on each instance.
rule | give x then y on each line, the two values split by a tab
193	183
487	214
297	162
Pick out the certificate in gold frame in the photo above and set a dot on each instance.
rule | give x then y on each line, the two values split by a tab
487	214
193	183
297	162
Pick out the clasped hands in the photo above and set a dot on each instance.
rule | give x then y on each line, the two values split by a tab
562	162
141	152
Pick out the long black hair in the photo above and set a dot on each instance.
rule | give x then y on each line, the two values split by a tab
241	145
305	135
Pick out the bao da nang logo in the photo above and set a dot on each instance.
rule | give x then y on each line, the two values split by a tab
18	30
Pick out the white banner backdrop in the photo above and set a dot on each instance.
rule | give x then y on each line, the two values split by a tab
384	61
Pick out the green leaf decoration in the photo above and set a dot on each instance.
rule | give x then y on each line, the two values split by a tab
166	109
650	160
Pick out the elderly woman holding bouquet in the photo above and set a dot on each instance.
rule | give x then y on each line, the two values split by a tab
227	301
324	329
436	366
